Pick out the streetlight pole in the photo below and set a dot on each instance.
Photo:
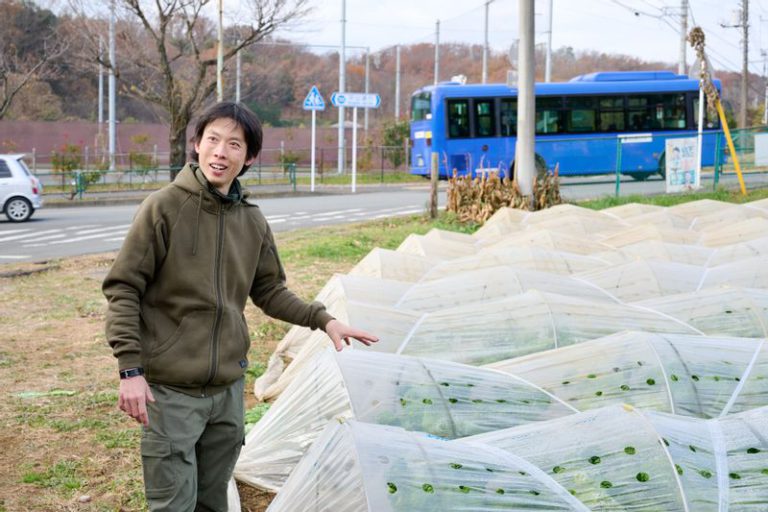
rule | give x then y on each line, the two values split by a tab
112	89
342	85
485	44
437	51
548	64
397	82
220	55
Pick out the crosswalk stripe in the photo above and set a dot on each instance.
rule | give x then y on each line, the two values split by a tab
27	235
87	237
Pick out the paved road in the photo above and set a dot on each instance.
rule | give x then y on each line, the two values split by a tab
59	232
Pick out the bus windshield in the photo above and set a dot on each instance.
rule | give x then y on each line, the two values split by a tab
421	106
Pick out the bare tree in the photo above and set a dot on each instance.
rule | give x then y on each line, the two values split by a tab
29	43
168	50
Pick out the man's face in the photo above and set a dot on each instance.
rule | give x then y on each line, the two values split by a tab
222	152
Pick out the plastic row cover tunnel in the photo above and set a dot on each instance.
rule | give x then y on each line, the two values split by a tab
357	467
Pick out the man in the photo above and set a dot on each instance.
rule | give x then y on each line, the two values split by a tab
197	249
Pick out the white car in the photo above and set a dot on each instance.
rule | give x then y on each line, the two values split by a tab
20	191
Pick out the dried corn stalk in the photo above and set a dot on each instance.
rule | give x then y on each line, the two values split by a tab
475	200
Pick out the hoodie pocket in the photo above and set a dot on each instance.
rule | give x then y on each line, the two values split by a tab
184	358
234	343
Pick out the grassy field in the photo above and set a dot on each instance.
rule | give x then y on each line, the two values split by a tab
65	445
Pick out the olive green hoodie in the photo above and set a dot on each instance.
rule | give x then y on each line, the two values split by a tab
179	285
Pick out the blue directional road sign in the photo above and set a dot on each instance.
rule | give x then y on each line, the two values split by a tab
355	99
314	101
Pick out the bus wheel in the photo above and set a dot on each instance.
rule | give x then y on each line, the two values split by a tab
663	166
640	176
539	162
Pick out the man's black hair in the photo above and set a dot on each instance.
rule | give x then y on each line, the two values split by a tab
242	116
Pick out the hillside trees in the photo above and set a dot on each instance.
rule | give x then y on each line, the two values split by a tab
169	45
30	43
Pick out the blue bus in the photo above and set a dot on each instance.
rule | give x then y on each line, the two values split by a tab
592	124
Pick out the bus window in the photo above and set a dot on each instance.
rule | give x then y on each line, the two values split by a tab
508	117
485	120
672	107
580	114
458	119
421	108
611	114
638	114
548	112
710	122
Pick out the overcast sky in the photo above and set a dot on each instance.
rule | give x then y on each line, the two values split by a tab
605	25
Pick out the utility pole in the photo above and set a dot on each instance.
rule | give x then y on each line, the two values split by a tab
101	87
525	171
237	76
744	26
485	44
111	84
220	55
397	82
682	68
367	74
437	51
548	65
764	54
744	62
342	85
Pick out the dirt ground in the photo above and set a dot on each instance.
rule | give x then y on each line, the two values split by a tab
64	445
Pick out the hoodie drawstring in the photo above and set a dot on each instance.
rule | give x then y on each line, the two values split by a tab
197	222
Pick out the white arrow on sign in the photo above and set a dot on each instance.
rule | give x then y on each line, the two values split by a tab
314	100
355	99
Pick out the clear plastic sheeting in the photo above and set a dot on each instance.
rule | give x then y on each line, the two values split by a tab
630	210
752	272
739	312
643	232
610	459
645	279
550	239
489	284
702	207
443	399
739	251
617	458
734	232
721	463
357	467
387	264
662	219
697	376
437	247
660	251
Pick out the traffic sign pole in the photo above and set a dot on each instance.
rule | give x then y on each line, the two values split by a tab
354	148
314	102
312	157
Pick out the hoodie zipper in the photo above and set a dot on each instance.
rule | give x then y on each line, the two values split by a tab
219	302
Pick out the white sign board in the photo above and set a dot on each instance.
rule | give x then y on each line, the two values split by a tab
355	99
761	149
680	159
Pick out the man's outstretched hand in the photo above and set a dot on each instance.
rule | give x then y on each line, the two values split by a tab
339	331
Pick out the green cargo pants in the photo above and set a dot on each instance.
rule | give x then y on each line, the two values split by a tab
190	448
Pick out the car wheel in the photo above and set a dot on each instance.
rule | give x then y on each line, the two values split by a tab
18	209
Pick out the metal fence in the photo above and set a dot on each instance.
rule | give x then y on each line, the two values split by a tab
274	166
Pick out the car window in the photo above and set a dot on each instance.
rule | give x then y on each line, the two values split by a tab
24	167
5	172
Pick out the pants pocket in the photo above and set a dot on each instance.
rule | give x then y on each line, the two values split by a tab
158	466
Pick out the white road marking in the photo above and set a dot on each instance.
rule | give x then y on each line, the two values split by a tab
27	235
12	257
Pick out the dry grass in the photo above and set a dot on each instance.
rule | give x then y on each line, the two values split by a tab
65	445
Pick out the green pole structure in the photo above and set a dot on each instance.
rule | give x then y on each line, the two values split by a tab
718	162
618	166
